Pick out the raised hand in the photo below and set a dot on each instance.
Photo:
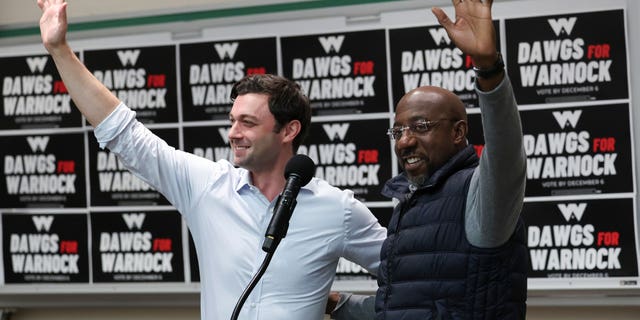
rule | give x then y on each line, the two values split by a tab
53	23
472	31
92	98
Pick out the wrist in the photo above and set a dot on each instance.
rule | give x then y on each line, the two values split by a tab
492	70
58	49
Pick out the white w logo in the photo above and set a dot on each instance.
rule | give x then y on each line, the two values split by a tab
331	42
575	210
37	63
226	50
38	143
567	118
439	36
133	220
336	130
562	24
224	133
128	57
42	222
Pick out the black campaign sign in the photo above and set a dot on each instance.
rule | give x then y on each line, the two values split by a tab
573	151
209	70
34	96
142	78
340	73
581	238
426	56
211	142
137	246
349	155
45	248
43	171
112	184
571	57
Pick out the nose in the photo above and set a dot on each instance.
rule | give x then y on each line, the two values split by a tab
406	139
406	143
234	131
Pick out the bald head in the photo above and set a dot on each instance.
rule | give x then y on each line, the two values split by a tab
438	101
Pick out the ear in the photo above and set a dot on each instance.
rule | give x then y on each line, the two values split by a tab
291	130
460	129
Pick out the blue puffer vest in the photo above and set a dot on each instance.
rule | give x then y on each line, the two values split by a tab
429	270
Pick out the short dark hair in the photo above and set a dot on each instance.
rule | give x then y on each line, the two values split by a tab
286	100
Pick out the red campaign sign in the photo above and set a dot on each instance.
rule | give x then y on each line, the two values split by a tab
43	171
34	96
581	238
570	57
143	78
208	71
45	248
141	246
341	73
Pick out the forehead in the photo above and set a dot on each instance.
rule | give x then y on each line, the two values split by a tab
420	104
250	105
413	113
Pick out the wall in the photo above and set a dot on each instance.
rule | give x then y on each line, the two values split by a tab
543	305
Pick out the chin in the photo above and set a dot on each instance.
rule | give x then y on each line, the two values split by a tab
417	180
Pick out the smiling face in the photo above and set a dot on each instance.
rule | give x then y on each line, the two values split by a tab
421	153
255	138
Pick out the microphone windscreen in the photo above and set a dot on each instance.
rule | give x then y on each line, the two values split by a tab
301	166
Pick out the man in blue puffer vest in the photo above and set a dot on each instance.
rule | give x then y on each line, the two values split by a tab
455	247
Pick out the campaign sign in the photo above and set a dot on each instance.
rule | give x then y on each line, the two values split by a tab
351	155
211	142
34	96
581	238
43	171
208	71
341	73
142	78
113	185
426	56
141	246
573	151
569	57
45	248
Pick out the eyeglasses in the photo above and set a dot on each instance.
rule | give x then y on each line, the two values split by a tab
418	127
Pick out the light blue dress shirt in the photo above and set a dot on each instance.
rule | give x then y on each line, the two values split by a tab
228	216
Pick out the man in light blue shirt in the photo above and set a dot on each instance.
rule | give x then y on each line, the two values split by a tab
228	206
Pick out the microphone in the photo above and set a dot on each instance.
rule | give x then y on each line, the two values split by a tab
298	172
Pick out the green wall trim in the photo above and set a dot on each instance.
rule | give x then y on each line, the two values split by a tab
191	16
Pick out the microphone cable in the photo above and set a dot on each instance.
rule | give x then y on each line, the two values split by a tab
298	172
252	284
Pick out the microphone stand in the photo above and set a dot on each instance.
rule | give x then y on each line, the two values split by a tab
269	246
252	284
298	172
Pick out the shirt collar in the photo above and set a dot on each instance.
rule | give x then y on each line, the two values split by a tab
244	181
